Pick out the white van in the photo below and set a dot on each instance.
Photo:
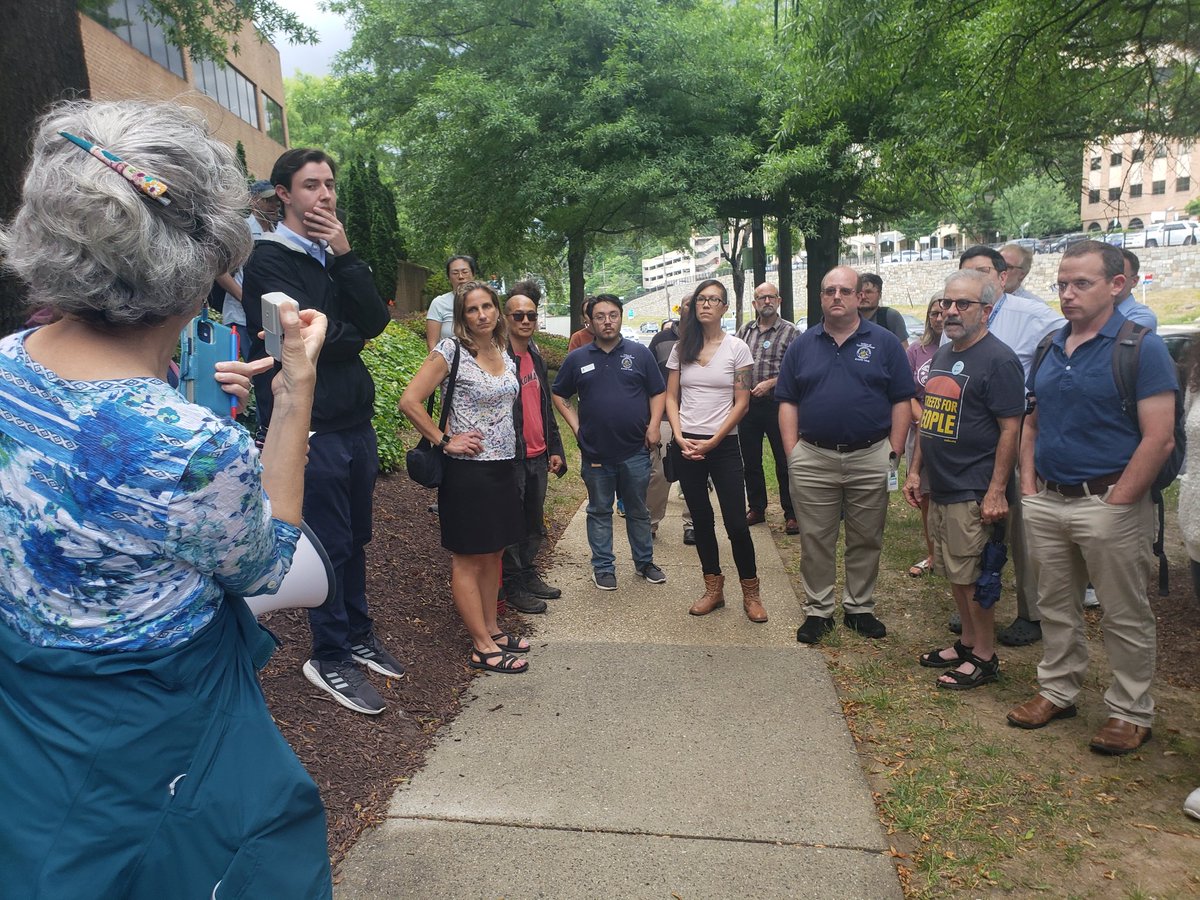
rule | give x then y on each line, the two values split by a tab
1172	234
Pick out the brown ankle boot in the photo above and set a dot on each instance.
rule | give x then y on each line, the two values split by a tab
714	596
750	600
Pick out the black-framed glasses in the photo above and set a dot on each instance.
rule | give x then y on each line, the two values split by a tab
767	297
522	316
960	305
710	301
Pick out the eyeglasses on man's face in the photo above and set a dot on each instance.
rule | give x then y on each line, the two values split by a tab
522	316
710	301
766	297
838	291
606	317
960	305
1079	285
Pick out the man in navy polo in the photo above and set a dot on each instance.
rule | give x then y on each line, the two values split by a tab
621	401
843	391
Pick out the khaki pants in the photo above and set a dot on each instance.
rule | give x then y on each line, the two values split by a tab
824	484
660	489
1070	542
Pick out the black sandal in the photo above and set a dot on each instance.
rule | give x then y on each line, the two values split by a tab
507	664
510	643
934	659
985	671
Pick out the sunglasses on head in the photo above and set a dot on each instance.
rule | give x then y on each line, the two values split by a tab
522	316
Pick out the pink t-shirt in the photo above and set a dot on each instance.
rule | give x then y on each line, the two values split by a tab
707	391
531	406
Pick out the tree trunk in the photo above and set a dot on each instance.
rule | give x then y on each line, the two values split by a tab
576	256
822	246
54	71
783	243
759	250
736	228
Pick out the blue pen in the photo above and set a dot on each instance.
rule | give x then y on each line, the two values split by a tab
233	355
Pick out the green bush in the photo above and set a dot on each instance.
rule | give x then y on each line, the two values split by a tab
393	359
553	347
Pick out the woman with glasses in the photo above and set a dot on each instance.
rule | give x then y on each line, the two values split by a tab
478	503
920	355
708	393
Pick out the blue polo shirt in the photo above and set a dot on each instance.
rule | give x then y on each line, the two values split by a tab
614	398
845	394
1082	432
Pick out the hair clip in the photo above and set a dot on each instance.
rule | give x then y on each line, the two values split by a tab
152	187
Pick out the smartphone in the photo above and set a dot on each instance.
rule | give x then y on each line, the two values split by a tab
202	344
272	329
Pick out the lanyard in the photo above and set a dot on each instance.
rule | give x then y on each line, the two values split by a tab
996	309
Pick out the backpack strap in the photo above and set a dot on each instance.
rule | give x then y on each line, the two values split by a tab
1127	351
1039	354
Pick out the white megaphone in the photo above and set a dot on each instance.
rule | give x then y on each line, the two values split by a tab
308	583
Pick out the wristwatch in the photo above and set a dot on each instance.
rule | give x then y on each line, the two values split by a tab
444	441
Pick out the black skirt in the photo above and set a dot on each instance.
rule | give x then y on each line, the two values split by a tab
479	505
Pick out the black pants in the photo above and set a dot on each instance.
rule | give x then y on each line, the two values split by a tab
532	476
724	466
762	420
339	486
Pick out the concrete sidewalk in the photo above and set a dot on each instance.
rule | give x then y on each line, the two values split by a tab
647	753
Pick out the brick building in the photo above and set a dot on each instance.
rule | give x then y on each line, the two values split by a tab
1133	181
129	58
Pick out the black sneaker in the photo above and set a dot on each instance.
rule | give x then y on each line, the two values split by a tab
523	601
689	536
865	624
813	629
371	653
652	574
345	682
536	586
606	581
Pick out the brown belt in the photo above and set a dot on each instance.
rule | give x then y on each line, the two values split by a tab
1088	488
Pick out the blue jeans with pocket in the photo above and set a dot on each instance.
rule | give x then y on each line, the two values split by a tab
627	479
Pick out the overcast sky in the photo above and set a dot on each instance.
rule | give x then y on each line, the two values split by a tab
308	58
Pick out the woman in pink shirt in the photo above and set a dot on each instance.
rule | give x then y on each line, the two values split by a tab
920	355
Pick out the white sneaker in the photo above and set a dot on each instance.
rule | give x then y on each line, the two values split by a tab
1191	805
1090	600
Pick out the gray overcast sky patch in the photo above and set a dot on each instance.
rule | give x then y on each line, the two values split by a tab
308	58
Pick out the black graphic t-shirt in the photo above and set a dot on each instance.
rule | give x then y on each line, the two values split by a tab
965	395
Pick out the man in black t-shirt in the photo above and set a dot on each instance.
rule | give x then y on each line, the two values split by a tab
970	428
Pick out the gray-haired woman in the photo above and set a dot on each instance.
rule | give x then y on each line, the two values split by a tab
132	522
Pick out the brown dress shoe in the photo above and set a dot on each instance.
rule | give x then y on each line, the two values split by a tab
751	601
754	517
791	526
1038	712
713	598
1117	737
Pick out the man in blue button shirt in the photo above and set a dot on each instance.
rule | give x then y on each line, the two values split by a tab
1126	305
1086	471
621	401
843	391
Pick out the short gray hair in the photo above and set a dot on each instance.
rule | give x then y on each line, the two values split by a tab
988	292
91	246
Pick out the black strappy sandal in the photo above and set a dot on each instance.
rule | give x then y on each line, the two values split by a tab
506	663
510	643
934	659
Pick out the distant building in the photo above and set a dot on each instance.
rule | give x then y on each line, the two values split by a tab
1133	181
668	268
706	251
129	58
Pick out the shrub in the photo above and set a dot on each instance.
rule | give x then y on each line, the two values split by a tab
393	359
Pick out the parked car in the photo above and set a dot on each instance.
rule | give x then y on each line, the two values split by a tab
1130	239
1172	234
1058	245
914	325
649	328
936	253
903	256
1027	243
801	324
1179	340
729	325
629	334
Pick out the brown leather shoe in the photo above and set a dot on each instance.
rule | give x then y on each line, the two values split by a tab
1038	712
1117	737
791	526
754	517
713	598
751	601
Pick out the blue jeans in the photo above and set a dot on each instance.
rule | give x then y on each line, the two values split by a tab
628	480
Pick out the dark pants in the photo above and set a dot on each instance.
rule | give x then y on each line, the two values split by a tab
724	466
339	484
762	420
532	475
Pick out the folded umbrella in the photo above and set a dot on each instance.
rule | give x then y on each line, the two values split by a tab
994	556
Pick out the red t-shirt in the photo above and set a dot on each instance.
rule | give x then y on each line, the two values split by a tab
578	339
531	406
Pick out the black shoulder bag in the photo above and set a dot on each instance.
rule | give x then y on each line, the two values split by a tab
425	462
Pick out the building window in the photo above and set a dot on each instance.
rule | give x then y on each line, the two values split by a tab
1094	195
1158	187
1135	191
273	113
1115	159
1114	193
1160	150
1138	155
1136	223
124	18
229	87
1095	164
1183	183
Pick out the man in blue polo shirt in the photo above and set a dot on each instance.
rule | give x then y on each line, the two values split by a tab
1086	471
621	401
843	392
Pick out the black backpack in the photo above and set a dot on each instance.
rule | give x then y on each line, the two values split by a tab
1126	354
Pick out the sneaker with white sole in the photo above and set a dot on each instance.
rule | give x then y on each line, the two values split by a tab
345	682
372	654
606	581
1090	600
652	574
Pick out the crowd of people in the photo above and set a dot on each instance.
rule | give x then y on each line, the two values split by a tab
135	523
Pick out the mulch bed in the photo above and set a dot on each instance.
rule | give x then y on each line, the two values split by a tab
356	760
1178	625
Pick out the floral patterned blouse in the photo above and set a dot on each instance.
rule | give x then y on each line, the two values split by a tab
483	402
126	512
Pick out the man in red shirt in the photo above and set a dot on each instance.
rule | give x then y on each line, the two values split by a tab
583	335
539	451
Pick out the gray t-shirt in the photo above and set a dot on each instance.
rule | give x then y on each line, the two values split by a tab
891	320
965	395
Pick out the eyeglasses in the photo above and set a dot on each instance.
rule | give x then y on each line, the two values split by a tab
982	270
1079	285
522	316
960	305
767	297
838	292
604	317
710	301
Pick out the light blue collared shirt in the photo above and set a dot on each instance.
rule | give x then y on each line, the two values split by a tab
1138	312
315	249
